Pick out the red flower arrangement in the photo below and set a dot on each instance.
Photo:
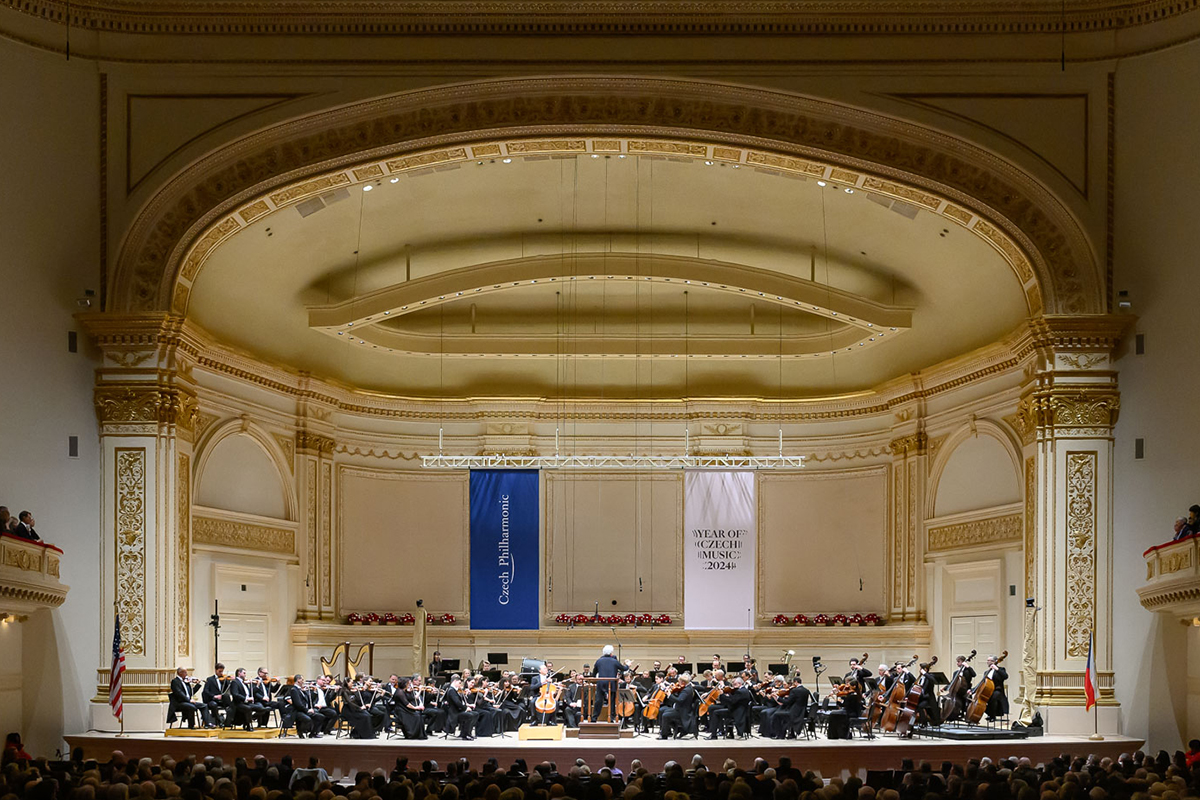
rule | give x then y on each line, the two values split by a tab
821	619
857	619
781	619
801	619
390	619
872	619
408	619
580	619
664	619
354	619
371	619
630	619
839	619
447	619
644	619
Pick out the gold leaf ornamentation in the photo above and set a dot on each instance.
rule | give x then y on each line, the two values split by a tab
130	530
996	530
247	536
1081	551
183	603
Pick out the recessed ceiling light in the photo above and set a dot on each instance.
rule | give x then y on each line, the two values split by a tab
595	155
352	325
386	313
507	160
821	183
394	180
736	166
341	333
708	163
621	156
849	190
368	188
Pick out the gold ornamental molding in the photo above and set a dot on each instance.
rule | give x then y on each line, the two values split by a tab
129	524
226	532
183	599
913	444
137	685
226	190
187	339
146	403
29	578
599	17
311	443
976	533
1076	410
1081	551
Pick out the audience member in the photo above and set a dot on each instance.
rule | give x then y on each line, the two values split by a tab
24	527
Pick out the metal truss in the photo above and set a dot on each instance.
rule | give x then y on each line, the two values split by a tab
630	461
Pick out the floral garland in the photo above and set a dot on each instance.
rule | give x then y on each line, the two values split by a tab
825	619
389	618
613	619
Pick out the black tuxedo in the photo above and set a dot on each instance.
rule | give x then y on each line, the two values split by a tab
457	715
998	703
681	716
320	701
23	531
297	710
181	702
606	668
928	705
572	713
244	705
213	696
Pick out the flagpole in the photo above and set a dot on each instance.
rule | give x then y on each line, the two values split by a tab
1096	735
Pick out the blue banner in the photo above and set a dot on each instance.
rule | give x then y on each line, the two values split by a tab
504	549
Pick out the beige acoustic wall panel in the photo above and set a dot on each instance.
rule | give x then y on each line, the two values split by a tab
402	535
819	533
606	531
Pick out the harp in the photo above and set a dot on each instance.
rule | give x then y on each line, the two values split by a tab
352	666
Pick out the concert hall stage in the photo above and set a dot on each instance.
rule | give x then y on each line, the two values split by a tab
830	758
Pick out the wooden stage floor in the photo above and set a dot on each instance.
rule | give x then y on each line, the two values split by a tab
838	757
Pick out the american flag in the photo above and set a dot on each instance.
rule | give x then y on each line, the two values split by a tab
118	671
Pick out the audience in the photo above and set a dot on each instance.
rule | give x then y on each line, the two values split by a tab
21	525
1130	777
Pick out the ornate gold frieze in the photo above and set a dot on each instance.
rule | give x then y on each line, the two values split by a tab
913	444
313	443
23	560
1175	562
889	149
1081	551
183	601
995	530
130	529
1092	411
146	404
247	536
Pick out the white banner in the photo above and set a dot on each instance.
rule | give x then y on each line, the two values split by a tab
720	530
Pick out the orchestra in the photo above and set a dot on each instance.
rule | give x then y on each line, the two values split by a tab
897	699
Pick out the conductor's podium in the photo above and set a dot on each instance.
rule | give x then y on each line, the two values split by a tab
531	733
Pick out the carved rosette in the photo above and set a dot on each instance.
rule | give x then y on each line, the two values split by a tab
130	527
1081	551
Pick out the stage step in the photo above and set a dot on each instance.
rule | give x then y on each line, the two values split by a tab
529	733
191	733
573	733
257	733
599	730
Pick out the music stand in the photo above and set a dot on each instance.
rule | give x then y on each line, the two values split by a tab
498	658
778	669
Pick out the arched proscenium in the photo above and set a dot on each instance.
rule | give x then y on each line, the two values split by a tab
231	187
868	321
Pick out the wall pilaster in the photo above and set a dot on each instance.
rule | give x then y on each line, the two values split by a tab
146	406
314	462
909	453
1067	413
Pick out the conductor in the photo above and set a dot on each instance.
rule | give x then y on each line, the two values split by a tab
606	669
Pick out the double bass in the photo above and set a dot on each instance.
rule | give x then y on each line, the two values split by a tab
893	702
983	693
954	699
908	716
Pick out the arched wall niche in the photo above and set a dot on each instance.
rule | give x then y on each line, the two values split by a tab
221	193
262	470
986	448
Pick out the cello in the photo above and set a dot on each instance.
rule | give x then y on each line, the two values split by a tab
908	716
895	698
654	702
547	699
954	699
983	693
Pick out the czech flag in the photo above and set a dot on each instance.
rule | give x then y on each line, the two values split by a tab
1091	685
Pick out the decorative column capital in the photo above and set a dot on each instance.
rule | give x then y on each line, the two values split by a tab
915	444
146	404
312	443
1074	410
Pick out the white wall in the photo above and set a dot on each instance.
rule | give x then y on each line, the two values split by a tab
49	245
1157	251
